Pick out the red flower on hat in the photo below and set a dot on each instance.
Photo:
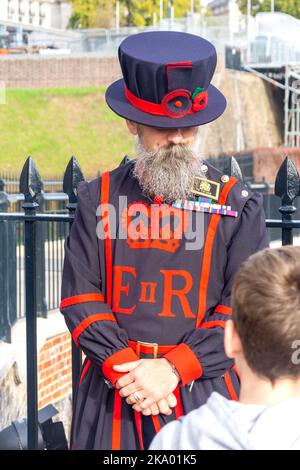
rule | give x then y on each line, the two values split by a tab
199	98
177	103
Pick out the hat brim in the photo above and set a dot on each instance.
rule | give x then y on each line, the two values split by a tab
117	101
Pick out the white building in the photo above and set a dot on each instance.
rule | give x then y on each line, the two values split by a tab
47	13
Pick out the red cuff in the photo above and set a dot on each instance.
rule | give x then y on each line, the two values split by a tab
186	363
213	324
223	309
124	355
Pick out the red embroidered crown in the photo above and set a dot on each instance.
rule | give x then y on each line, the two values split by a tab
153	229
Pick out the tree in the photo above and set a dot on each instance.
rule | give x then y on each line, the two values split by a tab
137	13
101	13
92	14
291	7
82	13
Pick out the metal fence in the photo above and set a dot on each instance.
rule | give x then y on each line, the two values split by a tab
50	238
10	182
287	188
105	42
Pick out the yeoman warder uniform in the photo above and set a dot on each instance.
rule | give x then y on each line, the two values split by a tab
120	294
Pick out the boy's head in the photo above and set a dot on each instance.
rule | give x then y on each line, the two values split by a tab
265	330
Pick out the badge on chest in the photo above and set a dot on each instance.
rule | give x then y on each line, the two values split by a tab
205	187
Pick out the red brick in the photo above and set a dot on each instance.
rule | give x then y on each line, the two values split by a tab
51	72
55	373
45	364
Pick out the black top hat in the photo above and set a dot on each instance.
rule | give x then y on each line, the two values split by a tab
166	80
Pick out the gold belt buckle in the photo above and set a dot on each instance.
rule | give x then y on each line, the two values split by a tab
154	345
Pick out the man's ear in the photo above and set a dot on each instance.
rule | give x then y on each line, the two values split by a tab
232	342
132	127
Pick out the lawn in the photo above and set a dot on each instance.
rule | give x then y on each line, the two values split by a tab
51	125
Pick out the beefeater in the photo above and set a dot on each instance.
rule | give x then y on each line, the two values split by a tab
152	253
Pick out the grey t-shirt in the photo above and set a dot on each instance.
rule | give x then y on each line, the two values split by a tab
223	424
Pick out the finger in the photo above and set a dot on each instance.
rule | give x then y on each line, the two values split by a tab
147	403
154	409
137	407
146	412
164	407
132	401
172	401
125	380
127	366
130	389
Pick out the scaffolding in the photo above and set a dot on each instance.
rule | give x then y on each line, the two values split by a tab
292	106
276	47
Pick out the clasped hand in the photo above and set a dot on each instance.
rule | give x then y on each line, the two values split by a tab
153	380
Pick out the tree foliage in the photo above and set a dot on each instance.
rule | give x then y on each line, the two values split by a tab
101	13
291	7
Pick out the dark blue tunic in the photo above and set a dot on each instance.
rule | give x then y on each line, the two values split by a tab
120	290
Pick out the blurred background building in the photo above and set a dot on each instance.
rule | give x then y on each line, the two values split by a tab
47	13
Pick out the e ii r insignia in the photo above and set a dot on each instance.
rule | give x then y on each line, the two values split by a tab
204	187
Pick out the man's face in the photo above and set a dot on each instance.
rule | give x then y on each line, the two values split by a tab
154	137
166	160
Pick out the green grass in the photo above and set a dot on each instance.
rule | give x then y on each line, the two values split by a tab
53	124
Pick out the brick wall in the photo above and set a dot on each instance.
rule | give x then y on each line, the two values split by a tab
44	72
267	161
55	369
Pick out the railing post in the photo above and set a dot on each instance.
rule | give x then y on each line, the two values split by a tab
124	160
73	175
5	325
233	169
287	186
30	186
12	270
42	307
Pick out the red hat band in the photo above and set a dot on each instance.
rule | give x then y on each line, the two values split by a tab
175	104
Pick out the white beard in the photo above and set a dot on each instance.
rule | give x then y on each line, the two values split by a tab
169	171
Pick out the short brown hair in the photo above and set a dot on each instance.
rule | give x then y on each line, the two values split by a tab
266	311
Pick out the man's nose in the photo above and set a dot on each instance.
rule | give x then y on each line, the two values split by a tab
175	136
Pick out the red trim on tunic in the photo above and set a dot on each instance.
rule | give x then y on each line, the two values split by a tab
207	252
86	368
186	363
230	387
77	299
116	424
108	363
223	309
178	407
138	425
88	321
119	357
108	248
156	423
236	371
213	323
